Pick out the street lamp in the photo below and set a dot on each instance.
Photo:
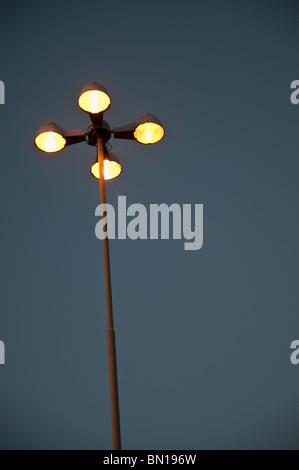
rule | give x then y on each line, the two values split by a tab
94	99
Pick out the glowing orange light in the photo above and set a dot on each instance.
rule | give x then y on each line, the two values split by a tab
50	141
148	133
111	169
94	101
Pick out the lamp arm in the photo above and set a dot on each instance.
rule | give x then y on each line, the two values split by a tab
73	136
125	132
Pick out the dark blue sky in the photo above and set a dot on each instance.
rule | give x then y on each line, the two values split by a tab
203	338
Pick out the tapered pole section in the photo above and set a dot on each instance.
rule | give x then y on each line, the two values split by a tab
115	422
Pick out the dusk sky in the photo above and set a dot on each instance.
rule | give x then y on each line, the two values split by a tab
203	337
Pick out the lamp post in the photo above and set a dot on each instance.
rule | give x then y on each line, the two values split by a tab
94	99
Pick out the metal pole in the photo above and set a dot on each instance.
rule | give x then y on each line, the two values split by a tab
115	422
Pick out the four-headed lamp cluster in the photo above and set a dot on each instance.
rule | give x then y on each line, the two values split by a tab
94	100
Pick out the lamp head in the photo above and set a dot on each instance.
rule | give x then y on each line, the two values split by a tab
94	98
50	138
148	129
112	167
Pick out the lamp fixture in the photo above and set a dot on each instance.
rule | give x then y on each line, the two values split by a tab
50	138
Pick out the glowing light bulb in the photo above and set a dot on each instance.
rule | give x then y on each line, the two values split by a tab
94	101
107	175
50	141
148	133
111	169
